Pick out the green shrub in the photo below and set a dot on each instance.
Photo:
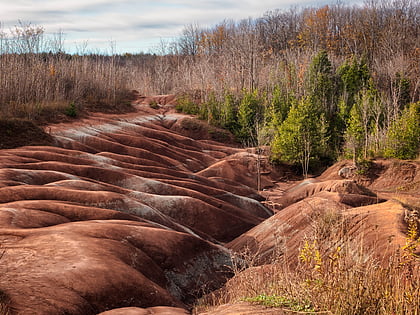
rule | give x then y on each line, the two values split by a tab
186	105
71	110
153	104
403	138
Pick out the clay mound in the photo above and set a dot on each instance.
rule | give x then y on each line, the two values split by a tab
353	200
382	175
399	176
332	172
113	216
111	189
348	192
91	266
266	240
241	168
379	227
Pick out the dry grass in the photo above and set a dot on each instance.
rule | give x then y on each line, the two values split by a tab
35	86
38	86
334	275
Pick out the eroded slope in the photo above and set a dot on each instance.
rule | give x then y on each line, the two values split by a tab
116	214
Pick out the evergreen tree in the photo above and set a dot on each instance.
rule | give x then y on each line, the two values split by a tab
278	107
228	117
320	83
354	135
249	112
299	137
321	87
354	76
403	138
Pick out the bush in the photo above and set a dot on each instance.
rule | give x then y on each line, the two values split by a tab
153	104
403	139
71	110
186	105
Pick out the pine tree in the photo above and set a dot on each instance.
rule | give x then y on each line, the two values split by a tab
299	137
403	138
321	87
320	82
354	135
228	117
354	76
249	112
278	107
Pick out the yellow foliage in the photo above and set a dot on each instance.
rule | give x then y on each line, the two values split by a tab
310	255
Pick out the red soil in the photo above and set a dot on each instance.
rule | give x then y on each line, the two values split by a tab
114	216
135	213
381	224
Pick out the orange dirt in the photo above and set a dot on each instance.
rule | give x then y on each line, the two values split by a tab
114	216
136	213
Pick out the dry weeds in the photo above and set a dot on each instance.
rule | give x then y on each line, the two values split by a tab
335	274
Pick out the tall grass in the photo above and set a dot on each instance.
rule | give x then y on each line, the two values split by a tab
333	274
34	83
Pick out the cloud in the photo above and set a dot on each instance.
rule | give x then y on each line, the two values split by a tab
135	24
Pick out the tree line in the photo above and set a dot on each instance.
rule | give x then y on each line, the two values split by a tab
341	113
314	83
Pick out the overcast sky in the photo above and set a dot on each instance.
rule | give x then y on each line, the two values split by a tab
131	25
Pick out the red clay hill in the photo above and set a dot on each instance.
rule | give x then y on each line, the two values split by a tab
114	213
138	213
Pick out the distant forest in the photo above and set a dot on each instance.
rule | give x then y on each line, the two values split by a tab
314	84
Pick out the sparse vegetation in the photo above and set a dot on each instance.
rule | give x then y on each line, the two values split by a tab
153	104
282	302
316	83
71	110
334	274
37	85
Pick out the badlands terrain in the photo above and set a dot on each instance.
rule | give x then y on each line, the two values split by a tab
140	213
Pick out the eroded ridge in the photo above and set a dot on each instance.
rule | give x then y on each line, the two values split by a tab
117	214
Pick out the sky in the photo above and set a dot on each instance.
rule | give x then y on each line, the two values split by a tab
131	26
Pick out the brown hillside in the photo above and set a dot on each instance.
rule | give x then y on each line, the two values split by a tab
117	215
131	214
